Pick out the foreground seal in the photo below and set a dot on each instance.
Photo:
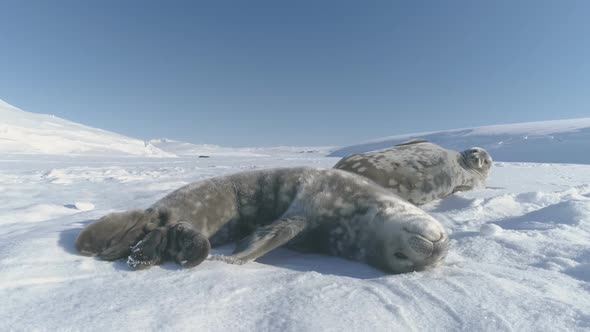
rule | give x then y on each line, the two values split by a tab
325	211
420	171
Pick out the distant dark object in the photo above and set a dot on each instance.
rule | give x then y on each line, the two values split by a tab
204	157
308	151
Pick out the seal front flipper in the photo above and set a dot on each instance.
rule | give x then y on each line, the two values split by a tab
265	239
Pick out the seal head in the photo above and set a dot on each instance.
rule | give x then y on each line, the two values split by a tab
412	246
476	160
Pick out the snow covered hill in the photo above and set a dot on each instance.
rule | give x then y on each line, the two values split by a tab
26	133
559	141
31	133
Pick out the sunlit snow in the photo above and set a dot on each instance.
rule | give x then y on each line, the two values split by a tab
519	258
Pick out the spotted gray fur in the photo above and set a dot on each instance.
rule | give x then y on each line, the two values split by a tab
324	211
420	171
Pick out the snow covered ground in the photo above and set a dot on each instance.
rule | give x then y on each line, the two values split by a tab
519	261
520	258
559	141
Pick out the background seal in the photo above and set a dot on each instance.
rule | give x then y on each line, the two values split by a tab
420	171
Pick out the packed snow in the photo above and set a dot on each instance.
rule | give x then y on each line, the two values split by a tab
519	257
519	261
558	141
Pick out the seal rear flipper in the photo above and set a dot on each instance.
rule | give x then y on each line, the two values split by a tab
186	245
267	238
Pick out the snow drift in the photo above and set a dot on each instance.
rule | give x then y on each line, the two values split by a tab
559	141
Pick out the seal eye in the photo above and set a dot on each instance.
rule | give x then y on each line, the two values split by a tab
400	255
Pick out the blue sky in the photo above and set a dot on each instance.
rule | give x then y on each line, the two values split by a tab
254	73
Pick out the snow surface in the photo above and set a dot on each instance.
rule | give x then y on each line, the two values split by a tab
519	261
558	141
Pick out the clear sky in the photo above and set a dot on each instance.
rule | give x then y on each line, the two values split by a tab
260	73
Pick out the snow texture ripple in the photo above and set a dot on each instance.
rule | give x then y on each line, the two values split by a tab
519	259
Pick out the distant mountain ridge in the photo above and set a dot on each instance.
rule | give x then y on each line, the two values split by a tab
556	141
